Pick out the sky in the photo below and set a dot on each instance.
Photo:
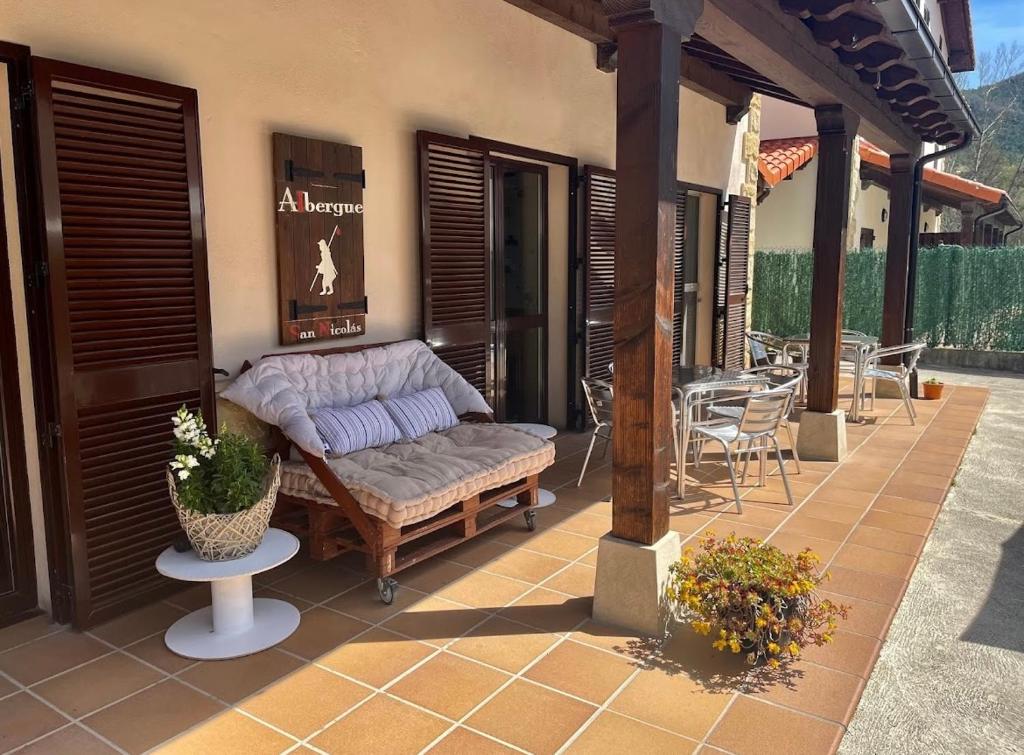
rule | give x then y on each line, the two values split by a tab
997	21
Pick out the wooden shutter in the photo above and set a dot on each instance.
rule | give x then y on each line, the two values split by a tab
456	256
731	284
599	283
679	266
125	242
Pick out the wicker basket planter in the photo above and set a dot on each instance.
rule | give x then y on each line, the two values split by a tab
222	537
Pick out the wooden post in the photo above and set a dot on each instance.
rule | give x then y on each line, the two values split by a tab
897	250
649	35
837	130
968	212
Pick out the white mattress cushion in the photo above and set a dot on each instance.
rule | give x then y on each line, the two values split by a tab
406	483
284	389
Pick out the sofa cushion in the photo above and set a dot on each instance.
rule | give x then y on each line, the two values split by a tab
353	428
284	389
421	412
409	482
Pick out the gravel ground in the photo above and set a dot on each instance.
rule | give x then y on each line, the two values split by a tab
950	678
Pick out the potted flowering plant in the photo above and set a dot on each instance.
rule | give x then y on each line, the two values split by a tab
933	389
753	598
223	489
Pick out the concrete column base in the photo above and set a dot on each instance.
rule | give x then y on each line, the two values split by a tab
629	591
822	436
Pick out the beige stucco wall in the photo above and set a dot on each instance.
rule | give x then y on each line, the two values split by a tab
785	218
363	73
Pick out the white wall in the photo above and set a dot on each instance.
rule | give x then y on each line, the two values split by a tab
785	218
781	120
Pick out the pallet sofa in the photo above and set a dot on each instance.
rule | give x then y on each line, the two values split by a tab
402	503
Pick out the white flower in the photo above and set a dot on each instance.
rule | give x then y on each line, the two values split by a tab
183	474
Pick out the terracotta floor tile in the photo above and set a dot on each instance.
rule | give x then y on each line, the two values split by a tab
915	492
435	621
672	700
723	529
107	679
687	522
194	597
153	650
167	709
320	631
794	543
833	512
50	655
587	524
845	496
7	688
906	506
851	653
753	515
376	657
26	631
531	717
590	559
305	701
823	529
461	741
364	603
864	559
526	566
577	580
550	611
133	626
477	552
23	718
70	739
886	520
618	640
318	583
888	540
433	574
612	734
561	544
924	479
869	586
382	725
229	732
810	688
448	685
481	589
505	644
748	724
865	616
582	671
234	679
269	592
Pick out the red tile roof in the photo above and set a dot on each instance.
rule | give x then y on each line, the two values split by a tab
781	158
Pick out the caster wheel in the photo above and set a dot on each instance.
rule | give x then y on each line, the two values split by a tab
386	587
531	520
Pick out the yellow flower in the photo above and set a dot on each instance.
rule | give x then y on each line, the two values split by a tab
734	646
760	623
794	649
718	644
827	639
773	648
773	663
701	627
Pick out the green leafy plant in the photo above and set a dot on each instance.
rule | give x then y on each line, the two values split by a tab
222	475
753	598
933	381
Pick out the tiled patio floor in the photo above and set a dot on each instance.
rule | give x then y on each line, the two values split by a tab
491	648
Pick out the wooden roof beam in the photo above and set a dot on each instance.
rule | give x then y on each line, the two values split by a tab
782	48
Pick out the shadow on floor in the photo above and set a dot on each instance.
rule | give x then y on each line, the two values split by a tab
998	623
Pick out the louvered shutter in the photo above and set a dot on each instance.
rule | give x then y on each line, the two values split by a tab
679	266
456	256
732	296
122	197
599	288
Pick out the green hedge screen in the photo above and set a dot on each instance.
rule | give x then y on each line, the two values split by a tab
967	298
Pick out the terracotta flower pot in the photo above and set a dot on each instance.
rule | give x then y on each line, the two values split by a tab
933	391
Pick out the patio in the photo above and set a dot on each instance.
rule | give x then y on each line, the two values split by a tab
492	646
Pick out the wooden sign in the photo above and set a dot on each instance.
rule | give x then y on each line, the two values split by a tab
318	206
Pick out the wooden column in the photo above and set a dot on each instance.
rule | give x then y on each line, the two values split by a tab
968	212
837	130
649	35
897	249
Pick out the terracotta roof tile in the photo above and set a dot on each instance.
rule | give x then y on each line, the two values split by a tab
781	158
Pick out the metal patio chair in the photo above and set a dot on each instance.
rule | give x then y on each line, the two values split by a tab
765	348
894	373
600	397
754	431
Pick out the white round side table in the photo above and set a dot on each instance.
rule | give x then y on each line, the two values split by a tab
235	624
544	497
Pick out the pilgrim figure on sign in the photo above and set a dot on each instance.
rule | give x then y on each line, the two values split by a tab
326	269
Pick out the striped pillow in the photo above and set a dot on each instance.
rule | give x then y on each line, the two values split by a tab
423	412
353	428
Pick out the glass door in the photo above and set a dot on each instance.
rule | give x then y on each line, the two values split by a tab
520	290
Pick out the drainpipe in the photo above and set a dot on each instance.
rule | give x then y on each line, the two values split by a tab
915	238
1012	231
978	220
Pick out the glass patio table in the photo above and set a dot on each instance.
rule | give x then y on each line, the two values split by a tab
690	382
860	345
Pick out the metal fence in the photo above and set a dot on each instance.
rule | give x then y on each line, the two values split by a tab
969	298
